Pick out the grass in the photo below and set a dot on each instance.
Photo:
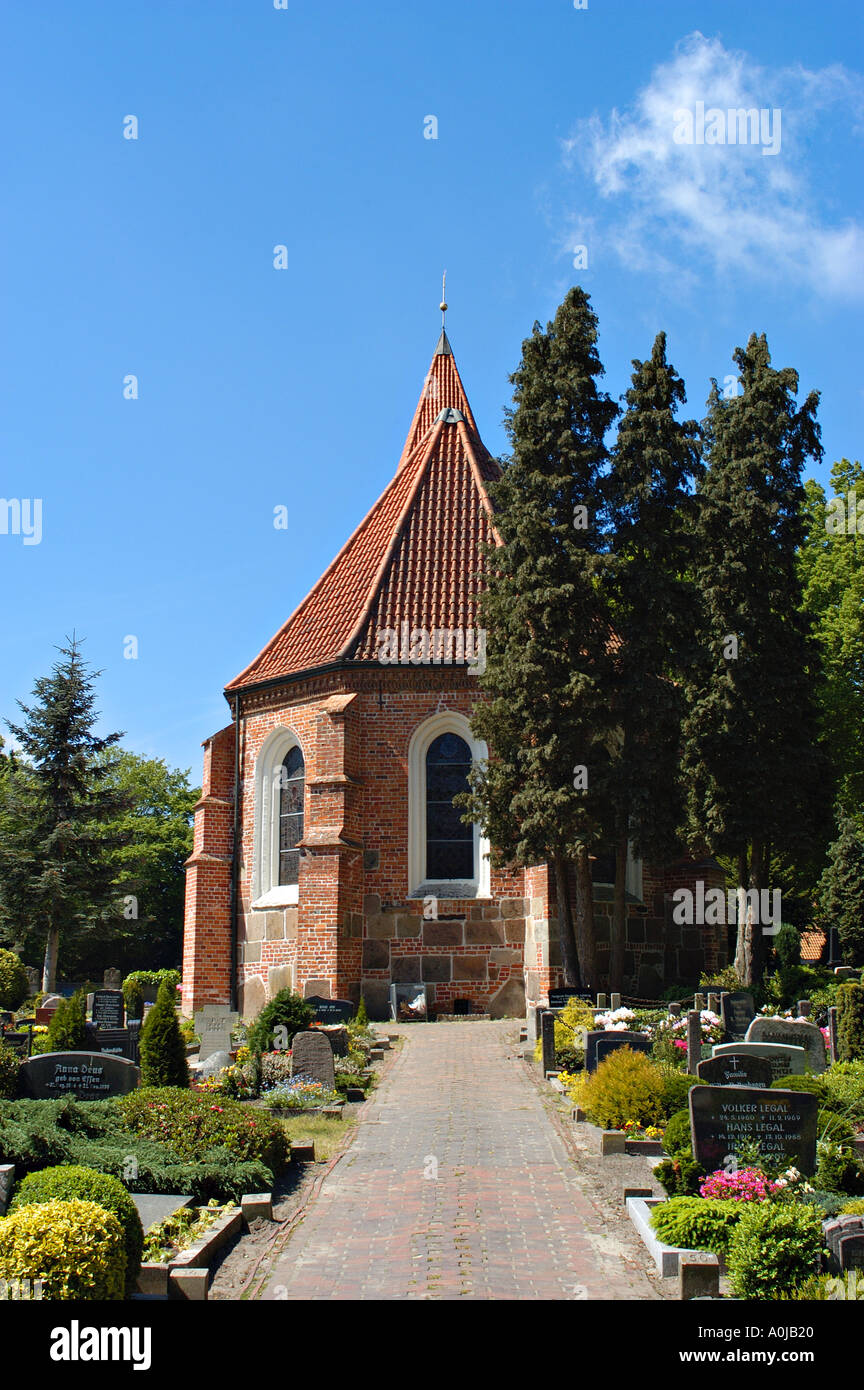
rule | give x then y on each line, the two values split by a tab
327	1135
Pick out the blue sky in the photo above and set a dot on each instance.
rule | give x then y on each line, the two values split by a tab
258	387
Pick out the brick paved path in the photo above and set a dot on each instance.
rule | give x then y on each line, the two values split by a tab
503	1219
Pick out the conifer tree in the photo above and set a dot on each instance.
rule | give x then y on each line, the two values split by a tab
655	464
67	1031
546	722
56	875
756	780
161	1045
841	891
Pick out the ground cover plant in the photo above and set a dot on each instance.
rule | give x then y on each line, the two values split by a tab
181	1230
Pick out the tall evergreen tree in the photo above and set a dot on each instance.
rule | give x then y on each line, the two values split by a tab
841	895
56	874
756	780
831	563
655	464
541	796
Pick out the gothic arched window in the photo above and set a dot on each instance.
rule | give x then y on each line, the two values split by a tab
449	842
292	784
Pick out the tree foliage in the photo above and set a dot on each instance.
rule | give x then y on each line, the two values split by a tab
547	714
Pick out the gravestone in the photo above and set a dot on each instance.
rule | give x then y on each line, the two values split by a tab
112	978
785	1061
737	1010
841	1229
834	1041
611	1042
312	1055
735	1069
216	1062
116	1042
850	1251
34	979
637	1041
214	1024
694	1039
84	1075
547	1040
5	1018
781	1030
782	1123
559	998
47	1009
105	1007
331	1010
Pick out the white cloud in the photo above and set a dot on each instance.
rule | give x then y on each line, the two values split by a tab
727	206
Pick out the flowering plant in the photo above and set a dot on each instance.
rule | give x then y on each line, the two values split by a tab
299	1093
615	1020
745	1185
675	1026
634	1130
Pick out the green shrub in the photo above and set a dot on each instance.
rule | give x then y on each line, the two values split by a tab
361	1018
67	1181
814	1085
286	1009
850	1022
844	1090
853	1208
696	1223
774	1247
133	998
9	1065
75	1249
626	1086
192	1122
153	979
838	1169
828	1203
676	1088
13	981
676	1136
37	1134
680	1175
569	1052
162	1049
67	1031
830	1125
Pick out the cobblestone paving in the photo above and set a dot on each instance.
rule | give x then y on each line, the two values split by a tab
456	1186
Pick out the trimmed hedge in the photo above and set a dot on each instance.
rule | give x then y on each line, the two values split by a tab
67	1181
9	1066
37	1134
191	1122
774	1247
75	1248
697	1223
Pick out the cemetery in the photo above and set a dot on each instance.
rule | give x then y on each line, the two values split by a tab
153	1143
752	1132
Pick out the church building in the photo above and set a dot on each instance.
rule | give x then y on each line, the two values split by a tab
328	856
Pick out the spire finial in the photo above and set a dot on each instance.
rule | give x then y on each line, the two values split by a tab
443	305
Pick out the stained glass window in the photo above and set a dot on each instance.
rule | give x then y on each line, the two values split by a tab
292	782
449	843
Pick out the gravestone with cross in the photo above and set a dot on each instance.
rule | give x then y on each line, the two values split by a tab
214	1025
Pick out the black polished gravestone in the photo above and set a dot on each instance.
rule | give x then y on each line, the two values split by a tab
735	1069
599	1042
560	998
106	1008
782	1123
737	1011
331	1010
117	1042
84	1075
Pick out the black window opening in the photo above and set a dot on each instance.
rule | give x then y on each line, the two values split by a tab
449	843
603	866
292	783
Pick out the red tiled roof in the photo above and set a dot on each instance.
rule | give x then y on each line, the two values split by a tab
414	557
812	945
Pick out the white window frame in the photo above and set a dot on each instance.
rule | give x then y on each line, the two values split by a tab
479	886
267	891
